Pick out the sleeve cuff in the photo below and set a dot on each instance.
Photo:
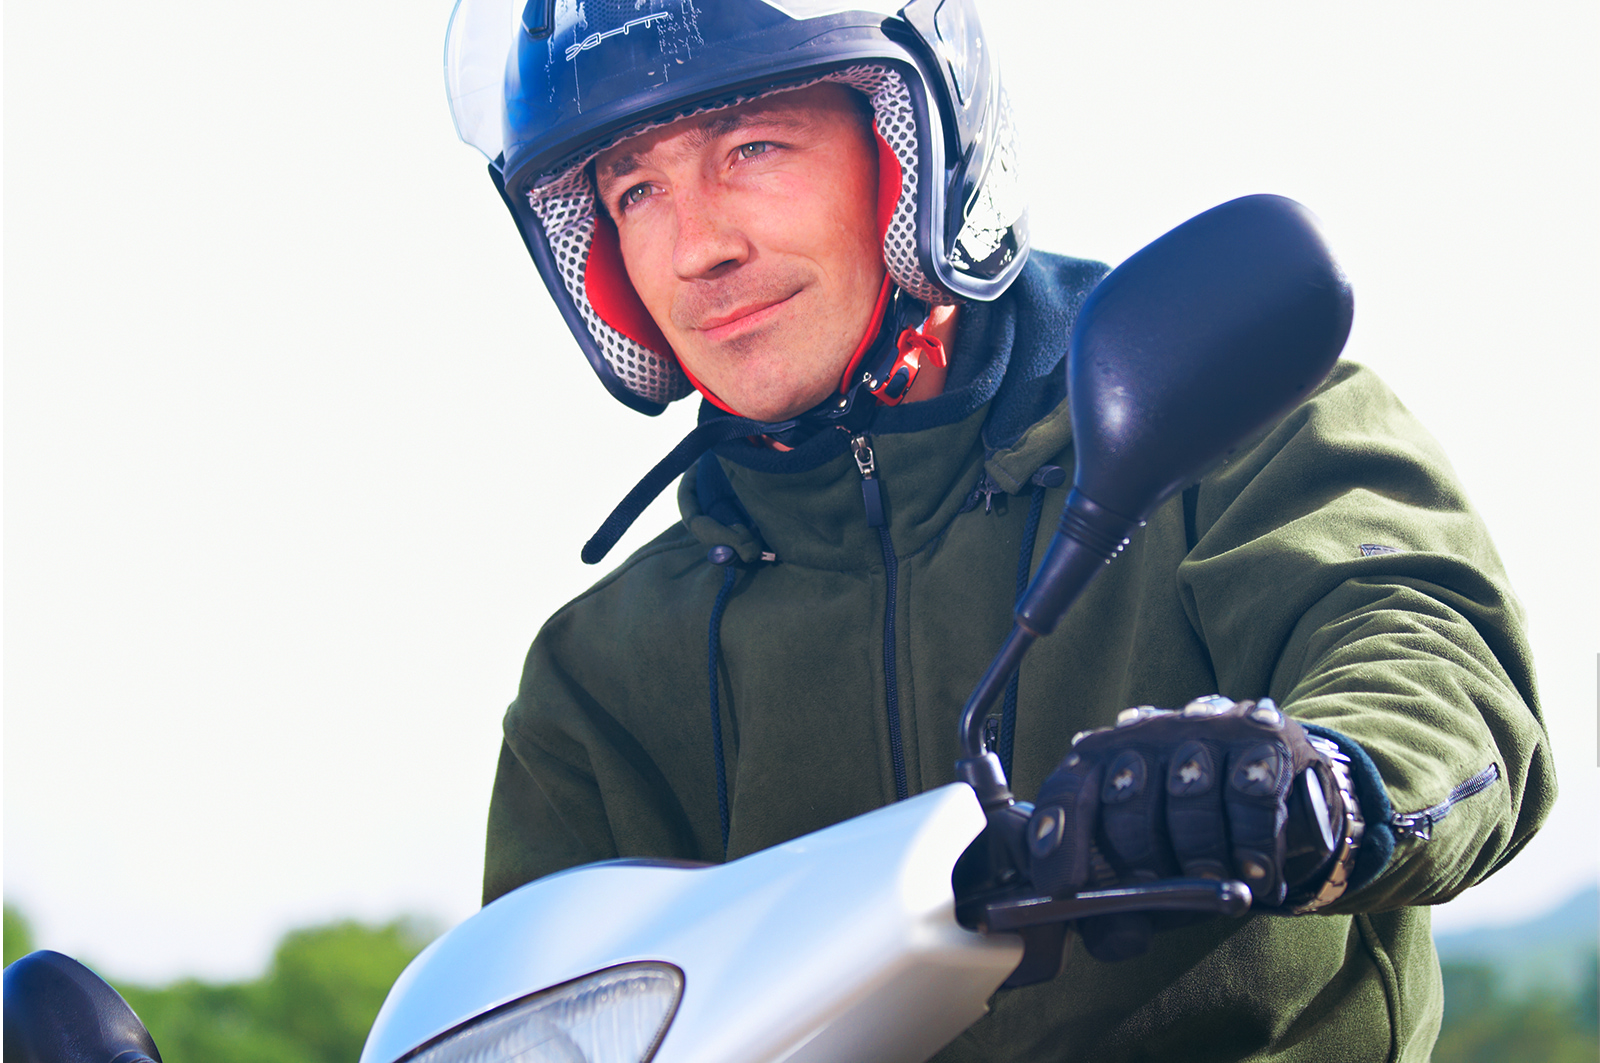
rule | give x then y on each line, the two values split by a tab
1377	843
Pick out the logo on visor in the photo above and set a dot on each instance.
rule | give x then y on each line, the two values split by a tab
594	39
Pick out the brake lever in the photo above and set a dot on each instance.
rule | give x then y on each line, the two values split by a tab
1209	896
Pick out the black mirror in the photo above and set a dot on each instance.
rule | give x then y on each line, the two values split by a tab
59	1011
1195	343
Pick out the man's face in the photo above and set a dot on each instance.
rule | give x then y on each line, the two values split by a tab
751	236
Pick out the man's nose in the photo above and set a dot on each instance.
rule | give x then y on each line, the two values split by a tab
709	240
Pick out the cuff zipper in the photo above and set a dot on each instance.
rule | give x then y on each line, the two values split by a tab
1419	825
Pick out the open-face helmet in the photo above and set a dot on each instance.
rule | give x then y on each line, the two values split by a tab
542	87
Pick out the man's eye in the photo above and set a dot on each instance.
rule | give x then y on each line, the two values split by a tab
634	195
750	151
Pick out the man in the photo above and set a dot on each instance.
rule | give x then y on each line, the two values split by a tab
811	219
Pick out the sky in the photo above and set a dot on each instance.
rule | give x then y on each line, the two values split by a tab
298	456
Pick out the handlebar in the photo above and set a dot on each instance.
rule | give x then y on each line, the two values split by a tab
1211	897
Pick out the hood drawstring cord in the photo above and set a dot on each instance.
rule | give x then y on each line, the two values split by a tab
675	464
1048	476
718	500
724	556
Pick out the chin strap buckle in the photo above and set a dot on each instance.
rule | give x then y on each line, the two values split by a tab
893	383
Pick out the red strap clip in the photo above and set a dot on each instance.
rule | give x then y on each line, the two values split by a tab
913	346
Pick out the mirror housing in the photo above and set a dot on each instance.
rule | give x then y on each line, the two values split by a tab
1195	343
59	1011
1201	338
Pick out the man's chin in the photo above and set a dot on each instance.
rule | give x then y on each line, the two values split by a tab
772	404
753	383
782	408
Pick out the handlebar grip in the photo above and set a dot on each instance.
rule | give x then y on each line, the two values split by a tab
1230	898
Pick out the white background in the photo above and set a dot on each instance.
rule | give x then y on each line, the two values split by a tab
298	455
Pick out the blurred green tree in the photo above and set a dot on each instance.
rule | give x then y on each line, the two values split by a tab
314	1004
1588	1011
1483	1025
18	935
326	983
197	1022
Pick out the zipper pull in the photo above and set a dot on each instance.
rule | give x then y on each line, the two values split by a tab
871	491
1418	825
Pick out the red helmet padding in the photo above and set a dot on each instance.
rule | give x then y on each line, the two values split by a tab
854	365
889	176
611	293
888	198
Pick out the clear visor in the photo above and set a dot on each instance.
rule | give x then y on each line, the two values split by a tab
476	48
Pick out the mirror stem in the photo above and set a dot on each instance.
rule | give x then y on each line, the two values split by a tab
988	689
1089	536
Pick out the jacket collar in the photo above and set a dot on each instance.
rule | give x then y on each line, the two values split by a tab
1002	415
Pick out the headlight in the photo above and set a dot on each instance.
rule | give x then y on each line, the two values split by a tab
618	1015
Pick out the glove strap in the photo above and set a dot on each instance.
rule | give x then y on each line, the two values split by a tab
1344	856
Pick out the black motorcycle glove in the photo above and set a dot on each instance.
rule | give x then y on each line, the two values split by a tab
1217	790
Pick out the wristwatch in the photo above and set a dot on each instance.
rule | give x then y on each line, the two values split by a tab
1343	861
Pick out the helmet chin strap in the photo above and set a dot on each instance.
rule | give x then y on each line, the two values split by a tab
880	375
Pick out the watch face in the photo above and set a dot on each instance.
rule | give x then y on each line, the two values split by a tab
1336	878
1317	806
1312	835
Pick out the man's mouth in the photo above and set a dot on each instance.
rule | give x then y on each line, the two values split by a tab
740	319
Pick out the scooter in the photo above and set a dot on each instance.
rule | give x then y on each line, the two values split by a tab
883	937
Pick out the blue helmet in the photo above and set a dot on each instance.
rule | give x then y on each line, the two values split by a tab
543	90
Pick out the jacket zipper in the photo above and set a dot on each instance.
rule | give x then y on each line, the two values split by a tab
872	500
1419	825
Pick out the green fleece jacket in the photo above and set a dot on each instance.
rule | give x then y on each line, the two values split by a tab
1332	564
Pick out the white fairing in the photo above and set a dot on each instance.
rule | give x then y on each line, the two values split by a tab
841	945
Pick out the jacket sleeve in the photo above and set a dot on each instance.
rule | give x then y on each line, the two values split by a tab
1337	566
539	827
597	759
